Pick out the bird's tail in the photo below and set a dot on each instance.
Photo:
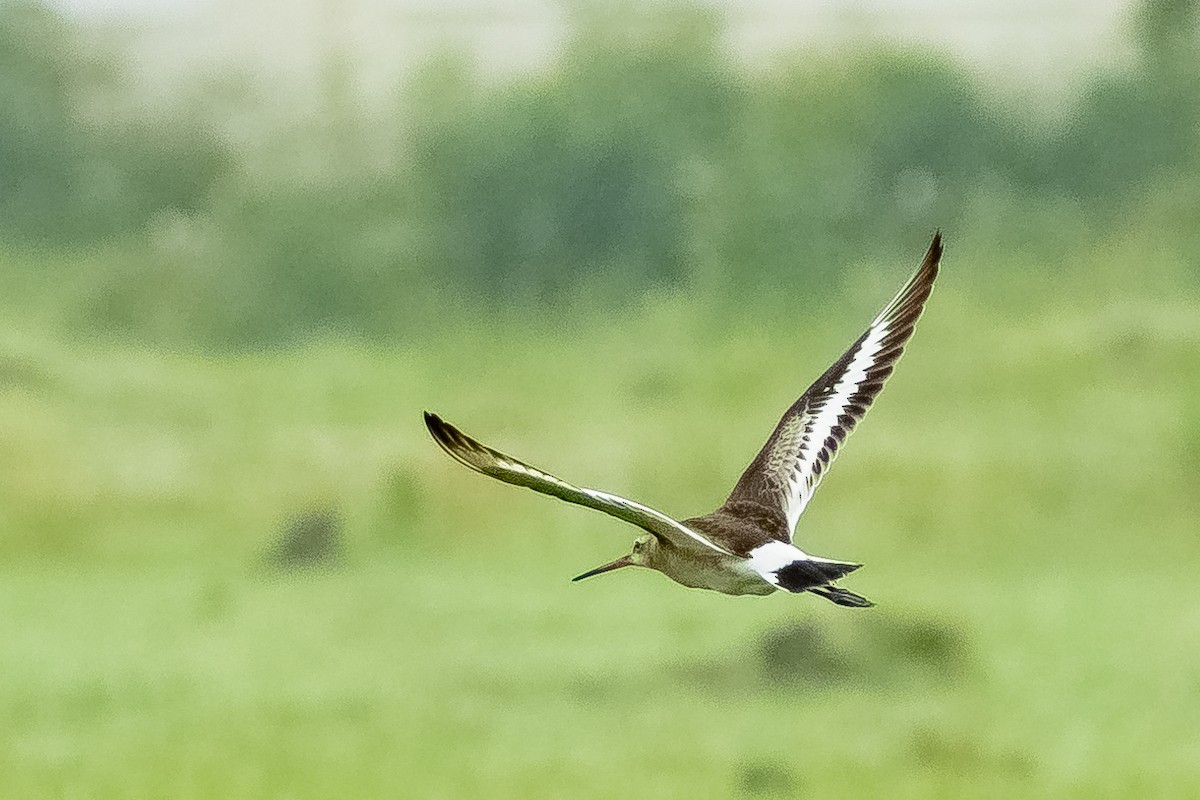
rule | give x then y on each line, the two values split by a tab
808	572
816	575
843	597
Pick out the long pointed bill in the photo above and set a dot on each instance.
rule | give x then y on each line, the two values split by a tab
623	561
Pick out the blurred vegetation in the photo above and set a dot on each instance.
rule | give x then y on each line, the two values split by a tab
71	174
233	565
642	157
1023	497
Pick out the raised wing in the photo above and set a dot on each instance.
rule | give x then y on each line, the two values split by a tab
786	472
493	463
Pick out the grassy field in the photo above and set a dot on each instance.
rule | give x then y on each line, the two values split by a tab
1023	497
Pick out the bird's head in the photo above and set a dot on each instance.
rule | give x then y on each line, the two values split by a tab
642	555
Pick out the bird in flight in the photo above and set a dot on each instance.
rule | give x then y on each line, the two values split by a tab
746	546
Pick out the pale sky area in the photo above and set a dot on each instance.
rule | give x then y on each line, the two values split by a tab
1029	48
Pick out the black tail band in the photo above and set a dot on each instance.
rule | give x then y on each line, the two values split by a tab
804	573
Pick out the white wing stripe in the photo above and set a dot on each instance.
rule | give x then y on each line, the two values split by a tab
605	497
817	429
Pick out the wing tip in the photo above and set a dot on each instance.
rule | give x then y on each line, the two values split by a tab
459	446
435	424
933	256
910	300
446	435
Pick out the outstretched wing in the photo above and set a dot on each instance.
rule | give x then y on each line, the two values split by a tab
482	458
786	472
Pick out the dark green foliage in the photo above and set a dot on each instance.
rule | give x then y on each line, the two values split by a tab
801	654
307	540
69	173
1136	127
641	157
846	157
884	649
37	140
578	170
768	779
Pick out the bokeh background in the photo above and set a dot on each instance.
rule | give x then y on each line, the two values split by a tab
244	244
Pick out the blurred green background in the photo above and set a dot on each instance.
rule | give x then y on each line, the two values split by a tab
242	246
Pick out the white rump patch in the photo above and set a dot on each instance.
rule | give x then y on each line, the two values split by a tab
771	557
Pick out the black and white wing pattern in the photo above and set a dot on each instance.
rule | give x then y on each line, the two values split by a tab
495	464
786	472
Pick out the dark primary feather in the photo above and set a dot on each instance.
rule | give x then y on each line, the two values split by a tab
786	472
